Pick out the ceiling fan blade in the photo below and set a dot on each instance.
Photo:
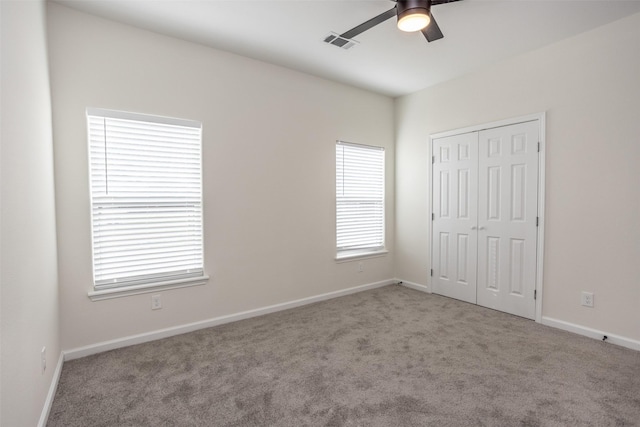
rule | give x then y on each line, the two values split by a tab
369	24
432	32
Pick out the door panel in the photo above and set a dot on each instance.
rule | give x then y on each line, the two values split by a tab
507	210
455	208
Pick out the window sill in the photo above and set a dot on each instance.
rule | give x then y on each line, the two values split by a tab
146	288
353	255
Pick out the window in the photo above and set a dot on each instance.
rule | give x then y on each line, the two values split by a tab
359	199
146	200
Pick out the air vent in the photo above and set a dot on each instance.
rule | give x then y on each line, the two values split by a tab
342	42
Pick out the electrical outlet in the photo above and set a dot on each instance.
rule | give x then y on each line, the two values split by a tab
43	360
156	302
587	299
360	267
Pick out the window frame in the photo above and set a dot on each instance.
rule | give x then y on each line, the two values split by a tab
150	282
347	254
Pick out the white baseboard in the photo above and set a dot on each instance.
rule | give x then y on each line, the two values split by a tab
190	327
591	333
417	287
44	416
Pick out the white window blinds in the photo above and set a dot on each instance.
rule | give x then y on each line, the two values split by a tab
359	197
146	198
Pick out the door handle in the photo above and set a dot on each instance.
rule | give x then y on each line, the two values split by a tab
473	227
482	227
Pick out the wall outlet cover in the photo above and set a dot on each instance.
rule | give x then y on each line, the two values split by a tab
156	302
587	299
43	360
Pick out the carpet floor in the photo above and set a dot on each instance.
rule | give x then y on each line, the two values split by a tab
387	357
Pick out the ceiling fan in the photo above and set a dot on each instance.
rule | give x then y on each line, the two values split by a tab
413	15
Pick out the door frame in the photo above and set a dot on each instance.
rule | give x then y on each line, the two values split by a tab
541	117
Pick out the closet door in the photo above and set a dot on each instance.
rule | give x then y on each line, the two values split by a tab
507	211
455	208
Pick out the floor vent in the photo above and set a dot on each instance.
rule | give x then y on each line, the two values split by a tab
336	40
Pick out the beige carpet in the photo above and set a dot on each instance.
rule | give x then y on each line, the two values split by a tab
387	357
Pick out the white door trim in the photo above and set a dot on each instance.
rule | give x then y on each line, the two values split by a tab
541	117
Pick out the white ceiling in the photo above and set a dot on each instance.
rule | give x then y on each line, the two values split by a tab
291	33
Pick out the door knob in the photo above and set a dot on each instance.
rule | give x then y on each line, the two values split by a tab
473	227
482	227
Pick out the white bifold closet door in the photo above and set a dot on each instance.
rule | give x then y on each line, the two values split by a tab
455	216
485	193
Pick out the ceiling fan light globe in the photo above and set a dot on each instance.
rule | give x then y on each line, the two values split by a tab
413	22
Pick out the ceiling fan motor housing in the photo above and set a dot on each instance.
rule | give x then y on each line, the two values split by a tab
408	7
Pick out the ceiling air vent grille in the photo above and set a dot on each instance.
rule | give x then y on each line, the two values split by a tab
337	40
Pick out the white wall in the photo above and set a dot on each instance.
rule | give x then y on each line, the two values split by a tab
589	86
29	303
269	171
